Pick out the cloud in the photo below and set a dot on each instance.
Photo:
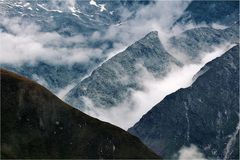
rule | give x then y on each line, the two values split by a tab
24	42
62	92
27	43
189	153
40	80
154	90
157	16
218	26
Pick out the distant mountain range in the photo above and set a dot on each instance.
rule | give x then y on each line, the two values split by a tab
205	114
68	19
36	124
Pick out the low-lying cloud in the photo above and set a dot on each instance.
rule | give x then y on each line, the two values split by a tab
159	16
25	42
154	90
190	153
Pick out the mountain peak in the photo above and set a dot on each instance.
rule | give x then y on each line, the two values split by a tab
150	40
151	35
121	73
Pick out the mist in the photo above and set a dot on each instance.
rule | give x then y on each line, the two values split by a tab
147	19
130	111
189	153
25	43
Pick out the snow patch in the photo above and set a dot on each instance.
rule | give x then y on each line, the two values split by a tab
53	10
92	2
111	12
188	122
41	6
72	9
100	6
26	4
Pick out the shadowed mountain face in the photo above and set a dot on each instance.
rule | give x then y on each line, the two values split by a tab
112	82
223	12
36	124
205	114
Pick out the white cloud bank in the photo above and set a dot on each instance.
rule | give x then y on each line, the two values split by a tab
25	42
134	107
159	16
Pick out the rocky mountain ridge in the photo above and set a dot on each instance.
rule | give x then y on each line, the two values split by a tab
112	82
205	114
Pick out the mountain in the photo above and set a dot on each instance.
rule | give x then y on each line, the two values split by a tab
205	114
36	124
209	12
50	75
112	82
193	42
70	20
70	17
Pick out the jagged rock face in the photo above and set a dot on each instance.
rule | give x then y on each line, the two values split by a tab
36	124
223	12
205	114
111	83
193	42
